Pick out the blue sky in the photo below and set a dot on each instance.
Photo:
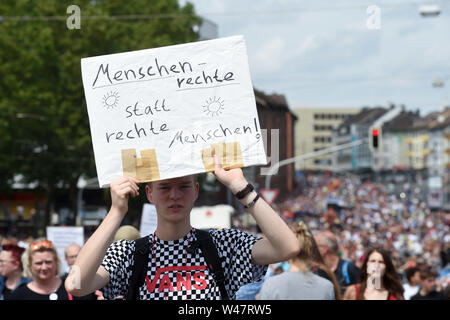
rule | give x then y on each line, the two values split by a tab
322	54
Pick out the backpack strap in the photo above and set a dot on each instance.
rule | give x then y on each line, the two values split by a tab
345	272
212	259
139	270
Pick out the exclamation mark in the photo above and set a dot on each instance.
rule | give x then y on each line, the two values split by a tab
257	130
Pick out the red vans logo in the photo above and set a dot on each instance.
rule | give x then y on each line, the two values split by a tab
187	277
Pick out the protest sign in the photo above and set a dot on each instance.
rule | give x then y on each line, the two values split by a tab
163	113
207	217
62	237
149	219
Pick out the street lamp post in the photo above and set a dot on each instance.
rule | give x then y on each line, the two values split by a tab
431	10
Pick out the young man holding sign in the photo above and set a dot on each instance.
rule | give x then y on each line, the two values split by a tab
175	267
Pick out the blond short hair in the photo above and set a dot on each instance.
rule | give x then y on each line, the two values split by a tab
30	252
127	233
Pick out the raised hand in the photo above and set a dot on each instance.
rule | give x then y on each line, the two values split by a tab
121	189
233	179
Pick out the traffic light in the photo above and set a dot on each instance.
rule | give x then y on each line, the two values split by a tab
375	138
375	133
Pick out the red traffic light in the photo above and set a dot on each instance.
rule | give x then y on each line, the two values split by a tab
374	140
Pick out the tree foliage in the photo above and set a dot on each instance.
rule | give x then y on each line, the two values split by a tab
44	123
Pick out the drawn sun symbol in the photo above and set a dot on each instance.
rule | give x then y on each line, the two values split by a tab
213	107
111	99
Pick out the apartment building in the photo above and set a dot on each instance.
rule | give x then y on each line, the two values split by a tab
438	159
357	158
395	135
313	132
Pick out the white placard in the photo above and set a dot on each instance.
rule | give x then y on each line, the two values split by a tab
207	217
149	219
170	106
62	237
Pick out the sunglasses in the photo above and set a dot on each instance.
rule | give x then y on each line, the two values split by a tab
41	244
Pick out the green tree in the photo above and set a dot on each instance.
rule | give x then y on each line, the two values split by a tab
44	123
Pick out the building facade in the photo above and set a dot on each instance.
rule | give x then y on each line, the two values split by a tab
355	128
278	122
438	159
395	137
313	132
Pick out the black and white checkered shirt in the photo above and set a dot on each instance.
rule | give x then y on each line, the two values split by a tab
174	274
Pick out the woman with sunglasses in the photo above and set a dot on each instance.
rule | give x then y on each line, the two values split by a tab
43	264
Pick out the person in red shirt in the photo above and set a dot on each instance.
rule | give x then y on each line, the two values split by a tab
378	279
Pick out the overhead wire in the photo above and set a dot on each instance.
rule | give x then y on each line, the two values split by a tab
229	13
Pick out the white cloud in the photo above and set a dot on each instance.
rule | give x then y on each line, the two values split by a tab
314	52
270	54
310	43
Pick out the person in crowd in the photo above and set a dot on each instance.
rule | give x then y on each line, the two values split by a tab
427	289
127	233
251	290
9	240
70	254
300	282
11	270
413	284
378	279
43	263
345	271
446	290
278	270
172	255
445	255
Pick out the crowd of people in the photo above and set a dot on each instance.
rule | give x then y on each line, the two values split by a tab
364	214
32	270
358	241
350	218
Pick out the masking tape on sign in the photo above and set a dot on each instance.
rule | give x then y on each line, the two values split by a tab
229	154
145	168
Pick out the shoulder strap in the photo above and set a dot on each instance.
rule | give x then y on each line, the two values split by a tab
141	252
212	259
345	272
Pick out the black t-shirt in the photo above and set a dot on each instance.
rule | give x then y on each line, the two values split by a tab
24	293
322	273
6	293
352	271
434	295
